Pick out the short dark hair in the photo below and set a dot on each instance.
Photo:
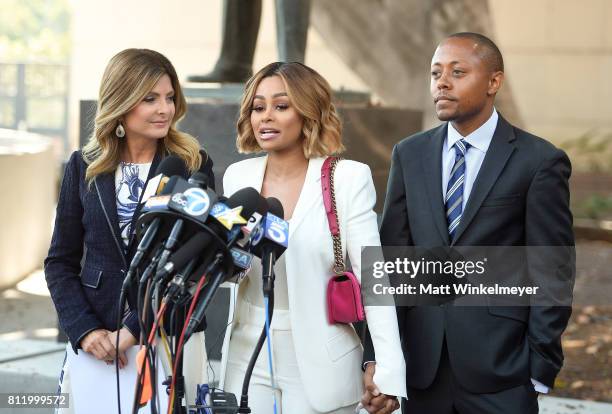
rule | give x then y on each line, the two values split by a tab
489	51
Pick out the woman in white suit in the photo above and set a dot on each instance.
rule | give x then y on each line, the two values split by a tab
287	113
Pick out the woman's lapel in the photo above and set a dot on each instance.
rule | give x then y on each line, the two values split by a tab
310	194
105	186
311	190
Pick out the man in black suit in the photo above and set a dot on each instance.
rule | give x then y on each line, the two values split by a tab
476	180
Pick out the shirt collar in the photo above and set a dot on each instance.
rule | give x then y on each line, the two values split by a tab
479	139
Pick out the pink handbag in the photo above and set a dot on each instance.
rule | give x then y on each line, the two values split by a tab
344	303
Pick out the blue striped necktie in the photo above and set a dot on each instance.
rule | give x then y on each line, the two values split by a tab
454	190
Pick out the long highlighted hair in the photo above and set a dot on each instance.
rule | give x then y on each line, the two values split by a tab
129	76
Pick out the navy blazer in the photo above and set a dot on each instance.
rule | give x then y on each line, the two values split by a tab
87	259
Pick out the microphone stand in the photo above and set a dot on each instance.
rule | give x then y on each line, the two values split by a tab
180	322
224	259
268	292
179	381
216	279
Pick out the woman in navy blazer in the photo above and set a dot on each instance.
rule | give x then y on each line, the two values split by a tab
140	102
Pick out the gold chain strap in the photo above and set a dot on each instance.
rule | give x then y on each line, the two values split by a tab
338	256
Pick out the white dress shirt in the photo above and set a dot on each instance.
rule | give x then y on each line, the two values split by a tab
479	141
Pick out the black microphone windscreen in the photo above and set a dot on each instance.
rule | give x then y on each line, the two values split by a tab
248	198
275	207
172	165
192	248
262	206
199	178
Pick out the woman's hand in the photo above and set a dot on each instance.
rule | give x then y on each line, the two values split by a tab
99	344
373	400
126	340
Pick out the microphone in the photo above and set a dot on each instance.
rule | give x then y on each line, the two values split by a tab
171	165
168	167
241	259
232	215
198	314
270	241
195	200
224	221
253	223
273	233
199	178
244	201
142	248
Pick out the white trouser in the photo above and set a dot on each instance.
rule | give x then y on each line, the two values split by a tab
290	395
194	370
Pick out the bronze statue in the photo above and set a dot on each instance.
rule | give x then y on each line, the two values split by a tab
241	20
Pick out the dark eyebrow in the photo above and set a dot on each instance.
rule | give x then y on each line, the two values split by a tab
276	95
156	94
454	62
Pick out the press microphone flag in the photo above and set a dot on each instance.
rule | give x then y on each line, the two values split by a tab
273	231
168	167
220	217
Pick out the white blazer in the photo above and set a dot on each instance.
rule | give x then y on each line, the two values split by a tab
329	356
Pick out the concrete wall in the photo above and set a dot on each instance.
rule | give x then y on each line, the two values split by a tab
390	44
559	54
28	176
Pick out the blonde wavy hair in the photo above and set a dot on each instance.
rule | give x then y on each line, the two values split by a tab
129	76
311	96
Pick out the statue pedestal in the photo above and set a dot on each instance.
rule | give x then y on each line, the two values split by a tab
369	132
232	93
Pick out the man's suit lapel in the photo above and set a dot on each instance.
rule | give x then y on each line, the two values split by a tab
432	165
493	164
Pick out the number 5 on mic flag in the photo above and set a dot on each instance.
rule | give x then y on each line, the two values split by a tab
274	229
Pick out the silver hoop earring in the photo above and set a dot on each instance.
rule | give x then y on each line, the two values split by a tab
120	131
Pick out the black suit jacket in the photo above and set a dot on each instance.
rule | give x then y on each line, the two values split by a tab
520	198
87	262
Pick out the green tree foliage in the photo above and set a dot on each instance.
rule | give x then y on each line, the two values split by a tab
32	30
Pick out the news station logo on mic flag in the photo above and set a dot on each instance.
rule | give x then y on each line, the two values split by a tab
194	201
241	258
274	229
156	203
227	216
197	202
